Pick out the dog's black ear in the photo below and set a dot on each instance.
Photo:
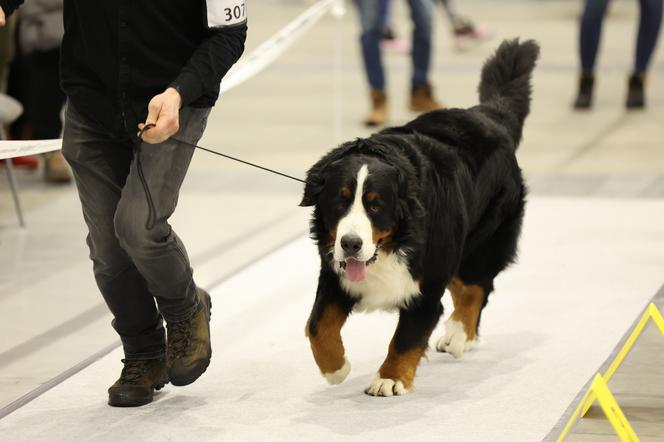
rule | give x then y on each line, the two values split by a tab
415	206
313	186
316	175
409	202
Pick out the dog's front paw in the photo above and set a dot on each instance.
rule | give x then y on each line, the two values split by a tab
455	341
386	387
337	377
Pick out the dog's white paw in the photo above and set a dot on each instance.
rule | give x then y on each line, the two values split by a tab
455	341
338	376
385	387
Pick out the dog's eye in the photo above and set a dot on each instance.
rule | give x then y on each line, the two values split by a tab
341	206
374	209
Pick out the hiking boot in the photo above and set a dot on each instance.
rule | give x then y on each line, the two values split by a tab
585	96
55	168
189	349
137	383
378	114
636	98
422	100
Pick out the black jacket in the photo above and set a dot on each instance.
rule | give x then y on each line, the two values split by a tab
117	54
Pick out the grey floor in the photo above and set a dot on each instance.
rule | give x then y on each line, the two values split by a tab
312	98
637	385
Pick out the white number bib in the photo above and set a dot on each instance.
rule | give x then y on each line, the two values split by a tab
222	13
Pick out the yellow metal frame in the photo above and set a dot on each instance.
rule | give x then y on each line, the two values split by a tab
599	390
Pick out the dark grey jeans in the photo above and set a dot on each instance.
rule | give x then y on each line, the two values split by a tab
135	264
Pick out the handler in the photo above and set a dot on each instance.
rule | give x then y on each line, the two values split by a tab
125	64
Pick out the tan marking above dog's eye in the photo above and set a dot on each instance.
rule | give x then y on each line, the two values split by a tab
346	192
372	196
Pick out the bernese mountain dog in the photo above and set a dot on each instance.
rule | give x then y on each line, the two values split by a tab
412	210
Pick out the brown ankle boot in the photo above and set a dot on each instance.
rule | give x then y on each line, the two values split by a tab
378	114
56	169
422	100
188	350
137	383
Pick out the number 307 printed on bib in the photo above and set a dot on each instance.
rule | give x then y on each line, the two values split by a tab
221	13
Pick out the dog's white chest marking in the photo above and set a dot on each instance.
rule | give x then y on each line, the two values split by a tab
387	286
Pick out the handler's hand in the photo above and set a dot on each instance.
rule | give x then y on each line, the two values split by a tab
2	17
164	113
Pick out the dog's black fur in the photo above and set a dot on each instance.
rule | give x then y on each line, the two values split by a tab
451	189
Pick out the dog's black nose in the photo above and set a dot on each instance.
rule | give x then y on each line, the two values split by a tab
351	244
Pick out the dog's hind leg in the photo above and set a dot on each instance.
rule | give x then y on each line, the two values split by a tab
471	288
462	326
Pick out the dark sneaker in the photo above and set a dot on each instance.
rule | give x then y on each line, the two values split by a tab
467	35
137	383
636	98
422	100
387	33
585	96
189	349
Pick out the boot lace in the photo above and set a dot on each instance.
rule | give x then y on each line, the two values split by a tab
133	371
179	338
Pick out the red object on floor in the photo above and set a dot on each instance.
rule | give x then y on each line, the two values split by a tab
28	162
31	163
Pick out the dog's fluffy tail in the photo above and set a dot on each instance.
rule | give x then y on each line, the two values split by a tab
505	86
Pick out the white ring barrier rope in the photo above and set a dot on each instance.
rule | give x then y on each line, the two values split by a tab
270	50
11	149
259	59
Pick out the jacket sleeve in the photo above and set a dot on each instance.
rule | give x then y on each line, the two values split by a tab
9	6
210	62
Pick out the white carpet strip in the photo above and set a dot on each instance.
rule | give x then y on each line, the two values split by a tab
586	269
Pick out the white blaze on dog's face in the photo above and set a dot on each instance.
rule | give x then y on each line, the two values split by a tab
354	242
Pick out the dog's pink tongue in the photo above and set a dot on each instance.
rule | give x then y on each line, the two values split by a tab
356	270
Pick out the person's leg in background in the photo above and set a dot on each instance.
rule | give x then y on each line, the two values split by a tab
421	97
369	11
7	48
17	86
388	37
43	109
386	31
589	38
649	27
449	6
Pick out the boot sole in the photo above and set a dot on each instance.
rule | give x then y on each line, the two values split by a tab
582	107
122	400
202	366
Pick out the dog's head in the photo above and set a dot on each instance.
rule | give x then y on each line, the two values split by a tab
363	200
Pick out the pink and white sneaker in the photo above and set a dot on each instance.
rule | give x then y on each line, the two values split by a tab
468	36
